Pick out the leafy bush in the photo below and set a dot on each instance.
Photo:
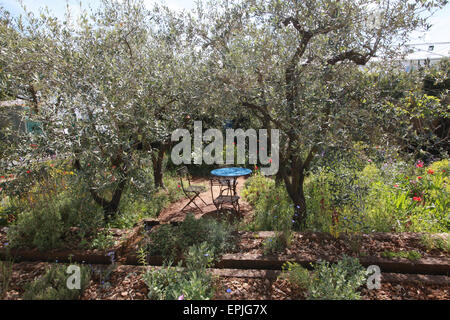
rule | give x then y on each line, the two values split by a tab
279	243
53	285
412	255
173	241
135	207
6	268
273	208
44	224
103	240
392	196
327	281
431	242
297	275
190	283
337	281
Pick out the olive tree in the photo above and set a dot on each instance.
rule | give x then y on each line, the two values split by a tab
107	87
297	66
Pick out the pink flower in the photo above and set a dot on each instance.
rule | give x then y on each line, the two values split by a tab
395	185
369	160
181	297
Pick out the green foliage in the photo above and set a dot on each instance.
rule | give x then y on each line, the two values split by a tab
297	275
6	268
378	196
412	255
273	208
327	281
436	242
173	241
189	283
134	206
279	243
44	224
53	285
386	196
51	206
103	240
337	281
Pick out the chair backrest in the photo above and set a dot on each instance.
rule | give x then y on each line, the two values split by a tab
221	183
183	173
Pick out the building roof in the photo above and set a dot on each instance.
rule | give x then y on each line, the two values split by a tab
432	51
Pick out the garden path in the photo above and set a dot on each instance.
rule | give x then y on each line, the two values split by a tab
174	213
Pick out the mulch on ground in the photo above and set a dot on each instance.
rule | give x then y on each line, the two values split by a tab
126	283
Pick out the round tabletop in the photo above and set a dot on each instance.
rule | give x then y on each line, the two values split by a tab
231	172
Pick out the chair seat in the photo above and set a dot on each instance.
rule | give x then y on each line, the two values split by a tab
192	188
226	199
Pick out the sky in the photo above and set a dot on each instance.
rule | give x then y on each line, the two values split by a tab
439	32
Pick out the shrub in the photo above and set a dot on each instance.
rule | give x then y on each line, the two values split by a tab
279	243
6	268
53	285
172	241
327	281
297	275
135	207
337	281
273	207
44	224
410	255
392	196
432	242
189	283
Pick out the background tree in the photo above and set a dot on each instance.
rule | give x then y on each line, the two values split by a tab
104	88
296	66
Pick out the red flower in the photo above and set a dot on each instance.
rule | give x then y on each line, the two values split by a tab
270	160
418	199
33	145
2	177
28	171
419	164
179	186
430	171
419	177
395	185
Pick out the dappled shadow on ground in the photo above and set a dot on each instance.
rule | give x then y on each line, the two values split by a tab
174	212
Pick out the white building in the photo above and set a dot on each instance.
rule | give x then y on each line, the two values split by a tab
425	54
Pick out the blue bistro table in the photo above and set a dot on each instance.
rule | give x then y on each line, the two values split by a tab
231	173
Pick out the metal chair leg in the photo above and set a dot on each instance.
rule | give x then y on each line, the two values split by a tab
192	201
